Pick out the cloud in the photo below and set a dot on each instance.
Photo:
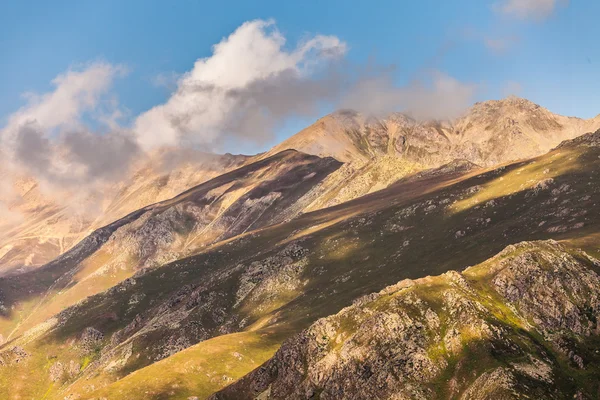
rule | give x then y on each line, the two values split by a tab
48	138
529	9
438	97
250	86
73	157
254	81
249	83
77	91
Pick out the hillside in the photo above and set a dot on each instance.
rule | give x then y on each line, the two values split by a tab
256	195
46	222
523	324
152	337
38	224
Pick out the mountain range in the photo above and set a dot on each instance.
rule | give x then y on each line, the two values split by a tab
363	257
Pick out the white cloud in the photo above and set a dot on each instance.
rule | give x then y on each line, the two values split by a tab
76	92
49	139
251	84
228	84
529	9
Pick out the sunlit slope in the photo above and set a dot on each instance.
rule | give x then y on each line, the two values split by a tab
286	276
260	194
523	324
46	221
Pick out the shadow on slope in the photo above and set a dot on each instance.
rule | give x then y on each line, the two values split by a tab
286	276
215	210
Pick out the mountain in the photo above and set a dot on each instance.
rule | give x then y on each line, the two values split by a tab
489	133
522	324
379	151
46	222
193	325
250	197
40	224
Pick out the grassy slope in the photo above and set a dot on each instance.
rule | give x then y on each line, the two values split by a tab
477	354
199	370
38	295
341	251
355	250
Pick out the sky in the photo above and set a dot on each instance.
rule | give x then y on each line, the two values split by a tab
122	77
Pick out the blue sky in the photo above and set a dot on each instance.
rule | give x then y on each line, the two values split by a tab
550	57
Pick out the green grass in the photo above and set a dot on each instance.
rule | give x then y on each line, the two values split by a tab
197	371
368	254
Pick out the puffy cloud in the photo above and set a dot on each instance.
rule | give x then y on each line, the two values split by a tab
75	156
249	83
529	9
76	92
253	82
48	138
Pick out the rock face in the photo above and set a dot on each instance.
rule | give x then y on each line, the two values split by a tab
515	326
90	339
489	133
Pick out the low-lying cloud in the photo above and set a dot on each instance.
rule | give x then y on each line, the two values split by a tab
437	97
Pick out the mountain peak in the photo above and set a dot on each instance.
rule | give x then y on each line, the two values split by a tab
509	105
491	132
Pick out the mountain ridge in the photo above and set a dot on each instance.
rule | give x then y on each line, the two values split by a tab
394	133
184	296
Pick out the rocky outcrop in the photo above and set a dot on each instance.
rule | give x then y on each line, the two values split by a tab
489	133
502	329
13	355
56	371
90	339
589	139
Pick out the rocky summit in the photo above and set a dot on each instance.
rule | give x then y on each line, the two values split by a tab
362	258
